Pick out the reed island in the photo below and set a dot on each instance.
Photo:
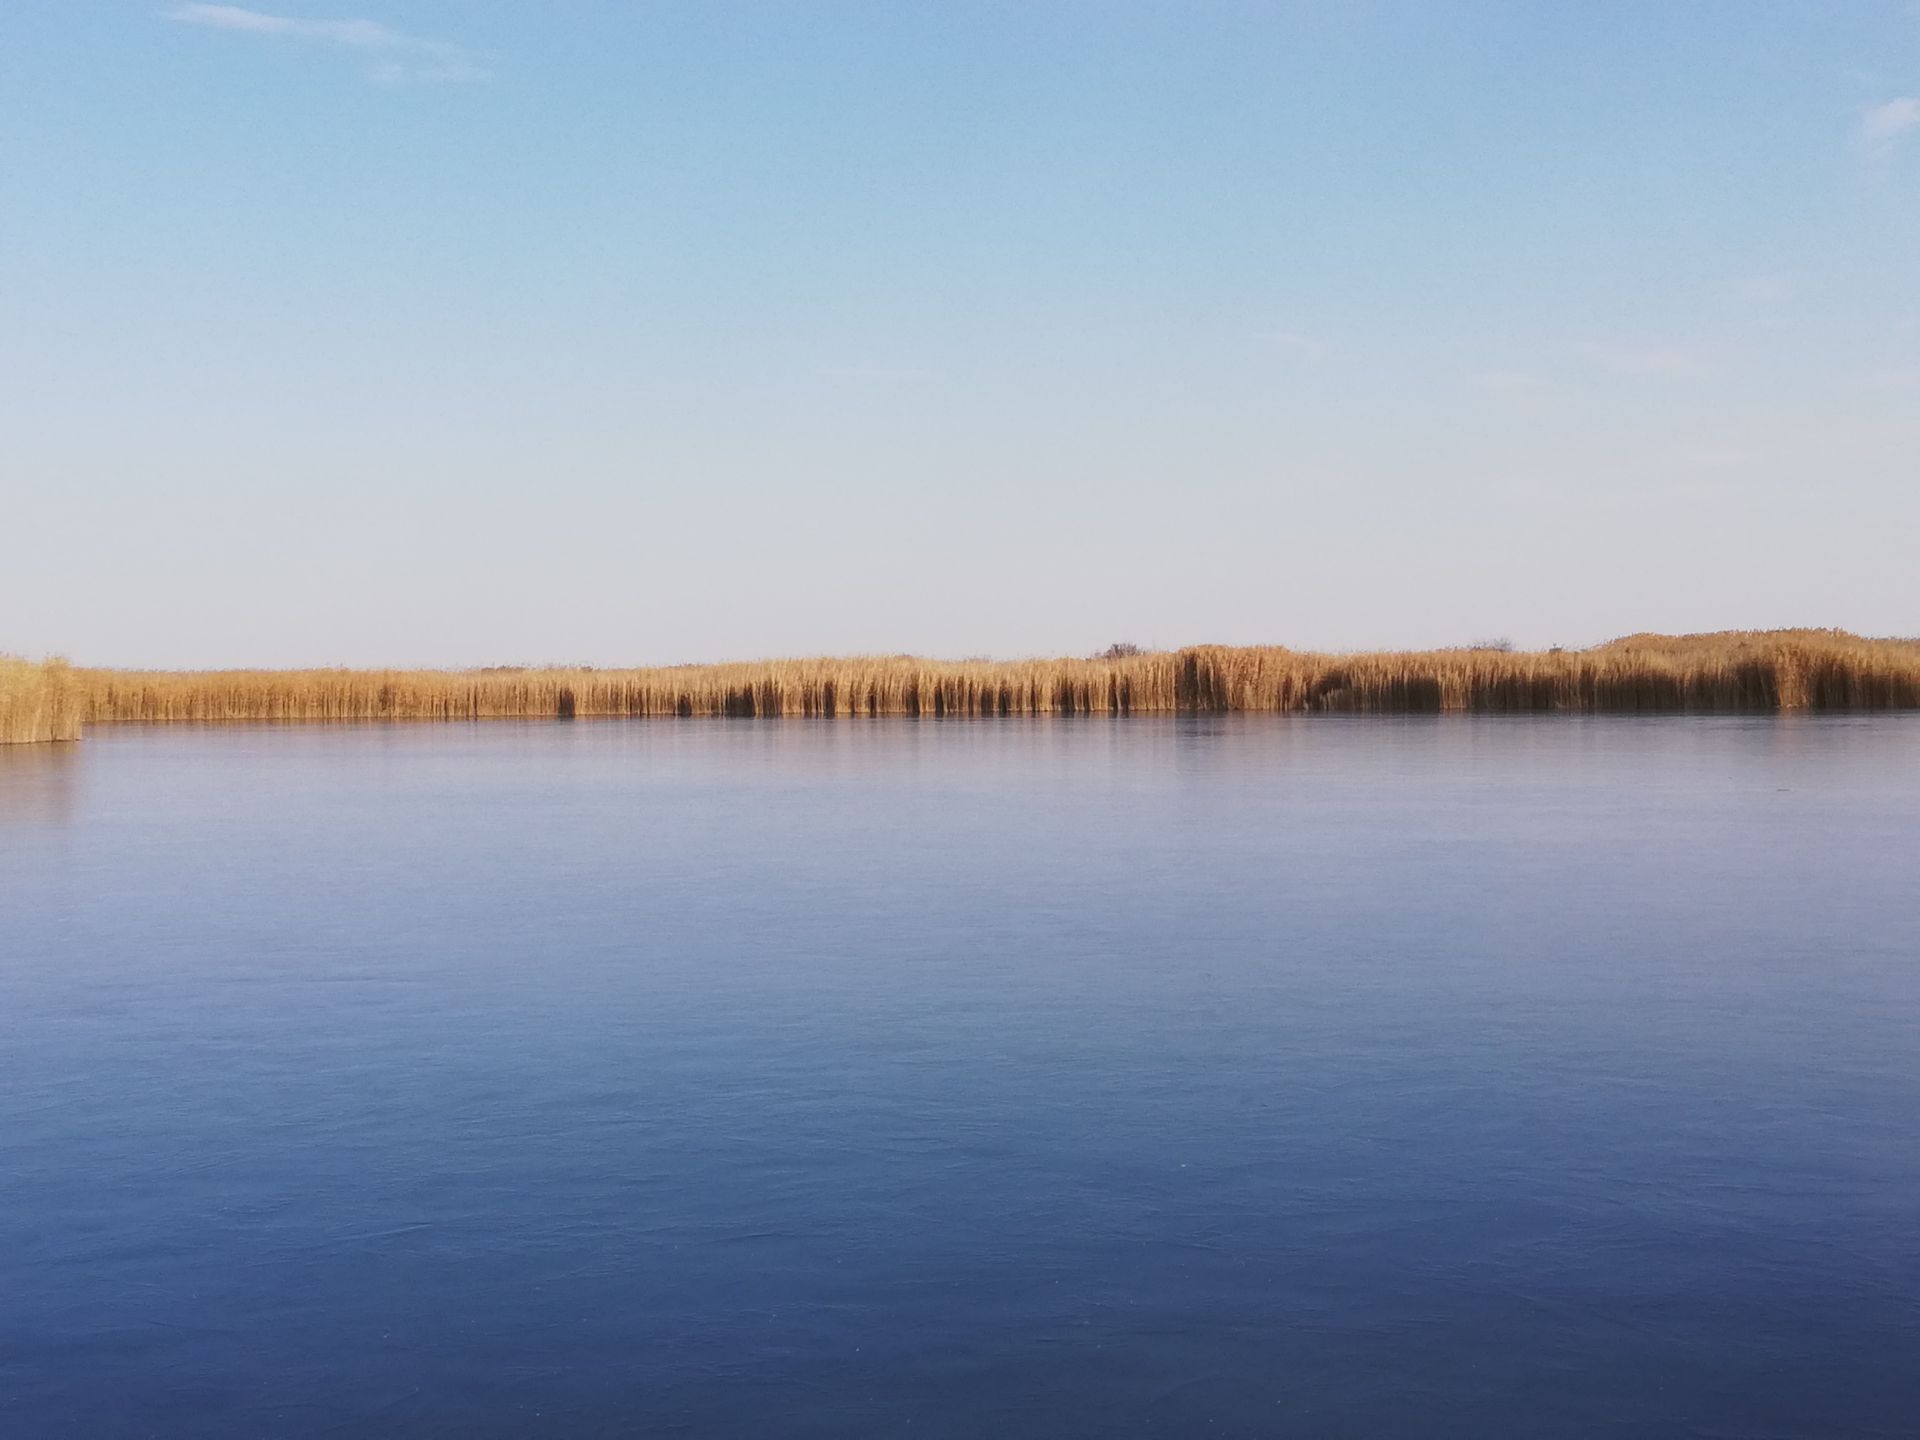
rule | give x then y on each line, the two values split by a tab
1723	672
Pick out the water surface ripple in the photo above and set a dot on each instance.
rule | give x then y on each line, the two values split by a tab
1233	1076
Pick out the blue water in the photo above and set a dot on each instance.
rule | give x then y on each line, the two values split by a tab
1241	1077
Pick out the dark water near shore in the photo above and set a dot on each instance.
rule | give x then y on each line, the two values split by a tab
1236	1076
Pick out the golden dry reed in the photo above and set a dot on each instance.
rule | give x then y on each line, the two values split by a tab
1731	671
38	701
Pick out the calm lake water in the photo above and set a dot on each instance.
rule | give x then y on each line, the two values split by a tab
1246	1076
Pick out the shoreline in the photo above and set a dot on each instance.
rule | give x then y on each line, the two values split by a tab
1726	672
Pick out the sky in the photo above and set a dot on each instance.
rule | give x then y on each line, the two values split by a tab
415	332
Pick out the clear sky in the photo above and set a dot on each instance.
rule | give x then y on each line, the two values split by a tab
388	331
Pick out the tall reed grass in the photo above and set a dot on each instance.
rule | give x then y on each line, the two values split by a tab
1731	671
38	701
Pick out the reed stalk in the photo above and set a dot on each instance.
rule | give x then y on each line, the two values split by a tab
1725	672
38	701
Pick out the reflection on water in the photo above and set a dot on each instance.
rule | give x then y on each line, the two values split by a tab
37	783
1248	1075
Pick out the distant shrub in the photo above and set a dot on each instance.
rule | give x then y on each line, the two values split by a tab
1121	651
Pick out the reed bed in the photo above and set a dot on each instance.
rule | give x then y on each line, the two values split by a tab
38	701
1727	672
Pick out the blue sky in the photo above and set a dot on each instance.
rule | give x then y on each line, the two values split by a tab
441	333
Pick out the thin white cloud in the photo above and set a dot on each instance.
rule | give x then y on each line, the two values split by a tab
1704	458
880	374
1654	362
1884	126
392	56
1294	340
1509	382
1897	379
1761	290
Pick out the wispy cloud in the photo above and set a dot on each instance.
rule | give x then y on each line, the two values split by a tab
1703	459
1298	340
1654	362
1509	382
1884	126
392	57
880	374
1762	290
1896	379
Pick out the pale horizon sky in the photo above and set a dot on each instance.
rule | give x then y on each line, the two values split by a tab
477	332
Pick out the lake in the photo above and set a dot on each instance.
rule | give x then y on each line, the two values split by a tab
1235	1076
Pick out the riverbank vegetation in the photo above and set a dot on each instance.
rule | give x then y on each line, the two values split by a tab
1725	672
38	701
